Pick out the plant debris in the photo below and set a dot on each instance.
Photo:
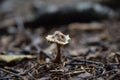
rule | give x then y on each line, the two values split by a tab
10	58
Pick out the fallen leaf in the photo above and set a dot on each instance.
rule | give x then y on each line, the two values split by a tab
10	58
84	27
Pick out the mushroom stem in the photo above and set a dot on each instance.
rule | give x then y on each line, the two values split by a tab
58	57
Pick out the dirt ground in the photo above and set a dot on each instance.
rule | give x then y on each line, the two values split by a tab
92	53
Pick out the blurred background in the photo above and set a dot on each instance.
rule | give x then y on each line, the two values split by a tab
25	23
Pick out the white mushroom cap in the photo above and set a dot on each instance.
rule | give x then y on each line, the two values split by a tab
59	38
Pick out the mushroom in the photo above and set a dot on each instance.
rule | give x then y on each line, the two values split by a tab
60	39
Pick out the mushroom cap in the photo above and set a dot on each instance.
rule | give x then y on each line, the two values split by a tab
59	38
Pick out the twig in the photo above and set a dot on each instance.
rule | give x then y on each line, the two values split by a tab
107	72
113	76
12	73
86	61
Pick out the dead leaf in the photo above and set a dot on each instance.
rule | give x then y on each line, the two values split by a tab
84	27
10	58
